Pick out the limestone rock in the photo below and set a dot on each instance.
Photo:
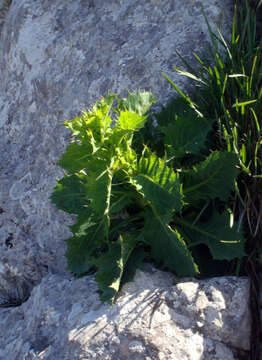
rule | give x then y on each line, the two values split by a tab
56	58
155	317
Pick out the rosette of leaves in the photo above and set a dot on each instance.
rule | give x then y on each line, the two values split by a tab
133	205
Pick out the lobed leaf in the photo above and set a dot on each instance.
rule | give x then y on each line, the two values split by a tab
111	266
186	134
224	242
214	177
131	121
167	245
86	244
76	157
158	183
98	188
70	195
139	102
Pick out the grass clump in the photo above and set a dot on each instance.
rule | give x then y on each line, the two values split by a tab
229	90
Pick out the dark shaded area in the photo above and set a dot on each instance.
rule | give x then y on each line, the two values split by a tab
254	5
251	267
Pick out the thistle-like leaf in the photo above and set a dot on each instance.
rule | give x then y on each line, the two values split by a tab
158	183
214	177
98	187
70	195
89	237
111	266
176	106
134	262
131	121
120	198
76	157
167	245
186	134
223	241
139	102
78	254
97	119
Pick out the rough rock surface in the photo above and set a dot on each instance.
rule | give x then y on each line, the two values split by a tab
4	6
153	319
57	57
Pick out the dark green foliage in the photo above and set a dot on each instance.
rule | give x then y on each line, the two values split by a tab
217	234
70	195
167	245
158	183
212	178
186	132
229	90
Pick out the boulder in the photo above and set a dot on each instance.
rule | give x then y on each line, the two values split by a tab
155	317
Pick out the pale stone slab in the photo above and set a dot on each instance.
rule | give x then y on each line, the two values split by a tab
155	317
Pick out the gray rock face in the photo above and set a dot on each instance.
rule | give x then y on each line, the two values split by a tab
56	58
154	318
4	6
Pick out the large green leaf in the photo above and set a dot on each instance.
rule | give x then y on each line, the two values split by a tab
121	197
98	188
87	242
134	262
176	106
131	121
224	242
79	255
184	130
214	177
111	266
186	135
158	183
168	246
70	195
97	119
76	157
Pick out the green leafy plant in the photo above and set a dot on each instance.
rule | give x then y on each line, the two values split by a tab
229	91
159	202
